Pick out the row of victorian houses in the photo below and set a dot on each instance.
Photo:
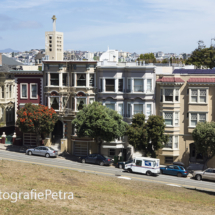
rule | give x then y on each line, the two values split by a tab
183	98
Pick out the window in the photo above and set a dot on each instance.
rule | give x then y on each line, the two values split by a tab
54	103
169	160
64	102
120	85
50	38
161	98
176	95
111	106
138	108
110	85
73	79
197	117
138	163
176	119
176	142
193	119
101	85
149	85
65	79
81	80
34	91
2	92
50	46
169	143
54	79
129	110
129	85
148	109
24	91
168	116
91	82
112	152
50	50
198	96
50	41
10	90
209	170
138	85
120	109
80	103
92	100
169	95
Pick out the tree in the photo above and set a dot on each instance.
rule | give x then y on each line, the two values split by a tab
156	138
164	61
147	137
137	133
202	58
148	58
204	138
37	119
99	122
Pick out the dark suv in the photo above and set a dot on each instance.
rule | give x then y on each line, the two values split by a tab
97	159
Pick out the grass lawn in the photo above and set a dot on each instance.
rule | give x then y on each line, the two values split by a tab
95	194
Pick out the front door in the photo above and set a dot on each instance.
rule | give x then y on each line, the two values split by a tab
138	166
36	150
208	174
43	151
57	133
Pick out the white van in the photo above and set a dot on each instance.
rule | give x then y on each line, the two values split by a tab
148	166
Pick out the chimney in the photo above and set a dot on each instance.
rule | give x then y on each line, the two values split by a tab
0	59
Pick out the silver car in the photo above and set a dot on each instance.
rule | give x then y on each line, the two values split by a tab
43	151
208	174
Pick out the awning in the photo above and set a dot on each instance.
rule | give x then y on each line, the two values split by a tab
117	146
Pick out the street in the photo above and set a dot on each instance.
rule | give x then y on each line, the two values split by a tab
108	171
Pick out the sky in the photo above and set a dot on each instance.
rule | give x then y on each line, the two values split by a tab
142	26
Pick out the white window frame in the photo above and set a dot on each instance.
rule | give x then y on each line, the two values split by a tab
26	84
115	104
174	94
206	113
148	103
174	137
198	95
59	83
149	91
173	120
31	90
138	103
120	103
143	80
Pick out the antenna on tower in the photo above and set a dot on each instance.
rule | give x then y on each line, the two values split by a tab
201	44
54	22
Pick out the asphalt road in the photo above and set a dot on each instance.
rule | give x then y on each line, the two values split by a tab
108	171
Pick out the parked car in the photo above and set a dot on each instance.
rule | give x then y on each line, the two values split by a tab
121	164
178	170
208	174
145	165
43	151
96	159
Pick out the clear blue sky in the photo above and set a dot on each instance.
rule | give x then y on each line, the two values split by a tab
93	25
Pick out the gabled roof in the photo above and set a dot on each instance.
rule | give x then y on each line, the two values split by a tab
201	80
194	71
10	61
170	80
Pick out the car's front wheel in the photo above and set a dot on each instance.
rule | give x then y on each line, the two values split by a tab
101	163
29	153
130	170
148	173
47	155
198	177
120	166
83	161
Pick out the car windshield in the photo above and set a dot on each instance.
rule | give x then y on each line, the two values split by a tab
182	168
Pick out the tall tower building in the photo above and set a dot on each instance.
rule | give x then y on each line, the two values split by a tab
54	43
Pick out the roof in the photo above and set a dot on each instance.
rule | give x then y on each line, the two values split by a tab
39	56
194	71
10	61
201	80
172	80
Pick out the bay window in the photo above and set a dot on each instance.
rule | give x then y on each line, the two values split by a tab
2	92
169	95
138	108
54	79
81	80
129	85
138	85
197	117
54	103
24	91
171	118
172	142
198	95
